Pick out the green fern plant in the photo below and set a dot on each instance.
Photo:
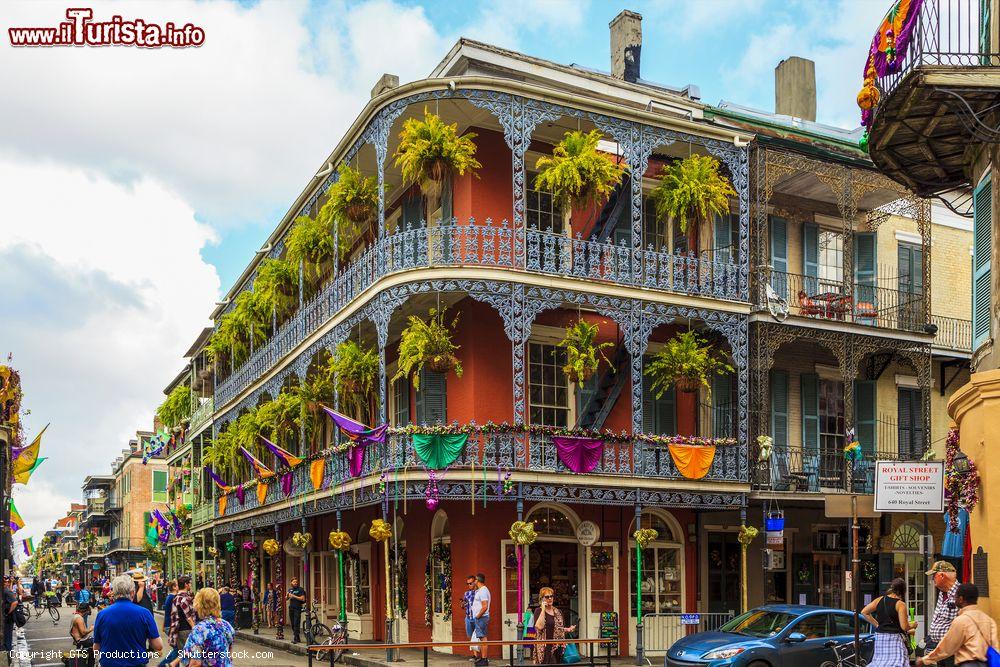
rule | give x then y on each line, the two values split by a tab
356	370
311	243
176	408
430	151
427	342
351	206
276	288
577	173
583	354
687	361
692	190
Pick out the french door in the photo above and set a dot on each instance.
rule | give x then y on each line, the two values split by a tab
601	589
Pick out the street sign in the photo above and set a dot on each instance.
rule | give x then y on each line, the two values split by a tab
587	533
690	619
909	486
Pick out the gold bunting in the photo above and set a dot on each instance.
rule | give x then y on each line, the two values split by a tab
261	491
316	469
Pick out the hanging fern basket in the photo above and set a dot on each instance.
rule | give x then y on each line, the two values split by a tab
688	385
435	170
358	212
443	363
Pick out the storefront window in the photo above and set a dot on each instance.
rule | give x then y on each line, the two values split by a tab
662	571
550	521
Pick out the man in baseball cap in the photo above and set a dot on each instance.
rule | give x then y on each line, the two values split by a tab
945	579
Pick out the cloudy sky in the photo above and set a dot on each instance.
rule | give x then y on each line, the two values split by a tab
137	183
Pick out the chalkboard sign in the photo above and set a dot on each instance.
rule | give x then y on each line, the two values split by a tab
609	630
980	576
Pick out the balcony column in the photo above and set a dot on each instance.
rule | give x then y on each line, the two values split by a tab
640	649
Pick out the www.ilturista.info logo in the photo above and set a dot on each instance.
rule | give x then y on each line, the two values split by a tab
81	30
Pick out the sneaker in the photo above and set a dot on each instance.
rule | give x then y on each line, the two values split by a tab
482	662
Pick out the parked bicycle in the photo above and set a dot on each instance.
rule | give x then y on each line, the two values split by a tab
338	637
844	656
315	631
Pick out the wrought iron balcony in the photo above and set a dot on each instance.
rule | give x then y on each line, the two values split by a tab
493	246
498	453
952	333
202	514
936	97
865	304
202	414
818	470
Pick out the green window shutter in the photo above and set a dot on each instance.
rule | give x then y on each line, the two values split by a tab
864	258
985	43
722	406
412	212
779	244
647	403
779	410
809	393
723	238
810	256
864	414
401	402
431	399
982	223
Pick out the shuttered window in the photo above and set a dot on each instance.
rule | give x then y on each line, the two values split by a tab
727	237
779	410
810	257
809	392
159	486
432	398
982	224
864	272
659	415
864	414
911	423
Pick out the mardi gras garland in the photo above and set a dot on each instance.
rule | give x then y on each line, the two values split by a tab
961	488
439	552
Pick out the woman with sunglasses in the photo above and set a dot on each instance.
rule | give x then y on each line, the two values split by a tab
548	622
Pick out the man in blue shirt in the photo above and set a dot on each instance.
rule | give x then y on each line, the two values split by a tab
122	630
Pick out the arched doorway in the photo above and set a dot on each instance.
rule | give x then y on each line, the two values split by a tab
439	565
908	565
662	588
358	587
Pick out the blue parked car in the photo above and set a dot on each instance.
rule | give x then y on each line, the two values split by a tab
778	635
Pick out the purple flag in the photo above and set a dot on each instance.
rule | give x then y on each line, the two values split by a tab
286	483
215	478
356	431
160	520
239	494
282	455
178	527
579	454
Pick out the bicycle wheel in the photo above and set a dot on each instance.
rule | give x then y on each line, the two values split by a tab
320	634
338	638
54	613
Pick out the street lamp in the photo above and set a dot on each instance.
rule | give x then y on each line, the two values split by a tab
960	463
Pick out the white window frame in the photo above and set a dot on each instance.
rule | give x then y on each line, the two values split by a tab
544	335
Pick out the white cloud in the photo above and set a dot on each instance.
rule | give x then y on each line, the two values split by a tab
105	289
39	507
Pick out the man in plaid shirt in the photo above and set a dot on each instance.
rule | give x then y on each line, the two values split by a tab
182	616
945	579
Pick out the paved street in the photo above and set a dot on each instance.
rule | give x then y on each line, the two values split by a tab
44	640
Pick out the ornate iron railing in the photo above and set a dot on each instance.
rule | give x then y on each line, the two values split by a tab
202	513
952	333
866	304
948	33
818	470
489	456
201	414
488	245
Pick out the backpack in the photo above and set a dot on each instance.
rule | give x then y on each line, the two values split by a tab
20	615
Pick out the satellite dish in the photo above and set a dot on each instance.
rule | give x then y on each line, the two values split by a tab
292	550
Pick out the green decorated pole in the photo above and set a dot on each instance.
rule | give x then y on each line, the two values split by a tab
340	580
642	536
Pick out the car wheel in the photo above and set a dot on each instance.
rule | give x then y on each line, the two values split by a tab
761	663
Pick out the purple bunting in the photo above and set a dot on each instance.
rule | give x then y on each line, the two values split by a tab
239	494
177	524
215	478
356	458
579	454
286	483
354	430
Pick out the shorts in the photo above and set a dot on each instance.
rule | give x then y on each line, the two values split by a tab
480	625
469	627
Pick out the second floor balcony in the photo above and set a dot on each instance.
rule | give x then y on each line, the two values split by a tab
504	453
937	92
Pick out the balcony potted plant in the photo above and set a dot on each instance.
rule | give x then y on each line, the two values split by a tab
352	205
311	243
276	288
431	151
356	370
583	354
577	174
692	191
687	362
427	343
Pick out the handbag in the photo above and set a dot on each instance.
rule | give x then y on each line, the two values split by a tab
571	655
992	655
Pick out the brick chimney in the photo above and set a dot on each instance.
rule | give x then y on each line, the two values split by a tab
626	44
795	88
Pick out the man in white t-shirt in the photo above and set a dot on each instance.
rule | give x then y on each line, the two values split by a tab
480	619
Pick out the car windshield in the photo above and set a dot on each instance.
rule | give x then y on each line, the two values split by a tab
758	623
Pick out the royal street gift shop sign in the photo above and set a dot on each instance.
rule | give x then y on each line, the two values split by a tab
909	486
